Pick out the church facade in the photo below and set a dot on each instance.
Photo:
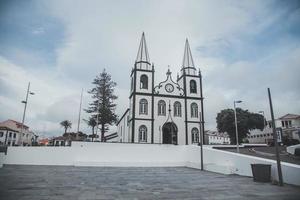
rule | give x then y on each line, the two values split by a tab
170	112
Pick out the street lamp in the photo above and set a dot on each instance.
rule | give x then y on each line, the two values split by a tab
236	128
25	106
263	113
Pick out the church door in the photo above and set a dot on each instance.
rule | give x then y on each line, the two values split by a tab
170	133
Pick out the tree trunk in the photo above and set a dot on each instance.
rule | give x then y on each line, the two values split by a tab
102	132
93	130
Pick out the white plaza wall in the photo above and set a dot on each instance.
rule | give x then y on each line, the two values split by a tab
98	154
145	155
232	163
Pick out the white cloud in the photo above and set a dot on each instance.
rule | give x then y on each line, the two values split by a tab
101	34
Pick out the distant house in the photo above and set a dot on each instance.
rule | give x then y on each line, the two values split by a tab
60	141
67	138
43	142
10	134
214	137
289	123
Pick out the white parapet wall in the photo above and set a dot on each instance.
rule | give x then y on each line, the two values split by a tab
145	155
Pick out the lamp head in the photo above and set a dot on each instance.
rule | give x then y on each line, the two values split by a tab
238	101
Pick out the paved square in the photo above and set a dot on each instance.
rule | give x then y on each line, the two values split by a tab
55	182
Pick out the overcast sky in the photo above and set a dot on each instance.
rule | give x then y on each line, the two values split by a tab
241	47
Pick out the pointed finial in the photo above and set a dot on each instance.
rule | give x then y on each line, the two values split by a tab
142	55
187	58
169	72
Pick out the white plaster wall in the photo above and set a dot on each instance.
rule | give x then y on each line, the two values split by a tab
98	154
188	79
138	76
139	123
241	164
160	120
137	107
2	139
123	129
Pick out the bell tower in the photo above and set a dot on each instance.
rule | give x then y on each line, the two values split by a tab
142	84
191	81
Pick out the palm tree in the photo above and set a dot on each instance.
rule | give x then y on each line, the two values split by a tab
92	123
66	124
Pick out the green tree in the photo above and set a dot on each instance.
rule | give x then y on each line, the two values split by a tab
92	123
246	121
103	107
66	124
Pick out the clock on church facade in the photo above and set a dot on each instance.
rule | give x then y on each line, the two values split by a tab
169	112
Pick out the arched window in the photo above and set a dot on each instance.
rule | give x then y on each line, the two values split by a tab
161	107
143	133
195	135
194	110
193	86
177	109
144	82
143	106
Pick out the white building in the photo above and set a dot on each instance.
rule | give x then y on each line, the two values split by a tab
10	134
169	112
214	137
289	123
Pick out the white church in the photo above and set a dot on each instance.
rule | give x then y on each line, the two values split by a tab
170	112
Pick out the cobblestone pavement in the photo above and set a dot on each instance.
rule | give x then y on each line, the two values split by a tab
61	182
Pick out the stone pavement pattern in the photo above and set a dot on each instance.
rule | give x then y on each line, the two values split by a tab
83	183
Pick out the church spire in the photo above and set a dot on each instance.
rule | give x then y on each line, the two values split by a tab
142	55
187	58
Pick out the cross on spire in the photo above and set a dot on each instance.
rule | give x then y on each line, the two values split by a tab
188	61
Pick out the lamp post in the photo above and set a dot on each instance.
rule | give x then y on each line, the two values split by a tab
236	128
25	106
263	113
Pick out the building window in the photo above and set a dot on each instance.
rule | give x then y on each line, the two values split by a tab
290	123
144	82
143	106
193	86
15	135
10	134
177	109
143	133
194	110
282	123
1	134
161	107
195	135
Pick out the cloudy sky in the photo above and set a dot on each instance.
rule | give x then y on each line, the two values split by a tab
241	47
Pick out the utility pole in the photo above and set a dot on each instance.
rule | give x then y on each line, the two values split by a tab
24	112
275	140
78	124
201	140
236	127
